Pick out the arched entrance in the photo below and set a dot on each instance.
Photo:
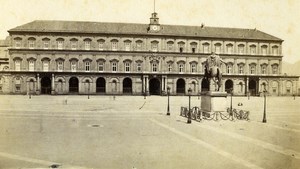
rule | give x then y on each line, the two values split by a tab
228	85
154	86
204	85
73	85
31	86
180	86
100	85
127	86
46	85
252	87
59	86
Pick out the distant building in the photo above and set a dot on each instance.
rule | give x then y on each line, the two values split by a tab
67	57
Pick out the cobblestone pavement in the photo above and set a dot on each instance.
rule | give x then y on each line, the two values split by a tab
130	132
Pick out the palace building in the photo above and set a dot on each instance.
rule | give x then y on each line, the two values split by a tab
71	57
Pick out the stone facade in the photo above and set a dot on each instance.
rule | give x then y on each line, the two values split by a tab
113	58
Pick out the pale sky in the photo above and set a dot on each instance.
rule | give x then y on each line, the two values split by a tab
280	18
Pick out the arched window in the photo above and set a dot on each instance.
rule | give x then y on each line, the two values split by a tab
181	46
252	49
193	47
60	43
18	42
101	43
46	43
31	43
264	69
275	69
87	43
114	44
127	45
275	50
74	43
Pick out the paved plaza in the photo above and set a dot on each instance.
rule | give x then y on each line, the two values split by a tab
133	132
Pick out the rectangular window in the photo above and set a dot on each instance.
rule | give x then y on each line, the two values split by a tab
252	69
193	68
127	46
154	47
263	70
100	66
31	65
101	45
206	48
60	66
60	44
127	67
181	47
275	51
170	47
241	69
73	66
139	67
193	49
87	66
275	69
18	43
46	66
170	67
264	51
114	45
74	45
46	44
218	49
87	45
181	68
252	50
17	65
154	67
139	46
31	44
18	88
229	69
114	66
229	49
241	49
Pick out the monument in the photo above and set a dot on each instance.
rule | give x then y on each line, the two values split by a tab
213	100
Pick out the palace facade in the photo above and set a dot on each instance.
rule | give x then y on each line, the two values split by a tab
70	57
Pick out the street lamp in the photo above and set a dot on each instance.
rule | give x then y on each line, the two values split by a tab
88	90
265	100
231	93
189	115
168	108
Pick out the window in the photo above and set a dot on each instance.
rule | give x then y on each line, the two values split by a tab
229	48
87	66
73	66
170	66
127	67
60	65
17	65
87	44
127	45
275	50
139	67
241	48
74	44
154	46
60	44
139	45
46	43
31	43
206	47
229	69
18	42
241	69
264	69
18	84
114	45
100	66
46	66
181	67
193	67
252	69
193	47
264	49
154	67
31	65
101	44
170	45
114	66
181	47
275	69
218	48
252	49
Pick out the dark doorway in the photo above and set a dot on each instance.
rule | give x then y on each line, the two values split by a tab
228	86
73	85
127	86
100	85
204	85
154	86
252	87
180	87
45	85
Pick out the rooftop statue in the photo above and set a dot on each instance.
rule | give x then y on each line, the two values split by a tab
212	70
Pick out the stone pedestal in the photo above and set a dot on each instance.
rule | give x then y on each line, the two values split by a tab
212	101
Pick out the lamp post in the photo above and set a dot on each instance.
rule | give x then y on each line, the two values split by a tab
88	90
189	115
265	100
231	93
168	108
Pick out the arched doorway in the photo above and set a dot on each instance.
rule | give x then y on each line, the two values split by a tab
31	86
228	86
59	86
252	87
204	85
100	85
127	86
180	86
154	86
46	85
73	85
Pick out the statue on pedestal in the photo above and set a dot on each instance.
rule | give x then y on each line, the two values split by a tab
212	70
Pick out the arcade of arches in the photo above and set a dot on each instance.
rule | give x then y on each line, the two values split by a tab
148	84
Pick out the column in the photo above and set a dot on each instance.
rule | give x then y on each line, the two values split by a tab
235	71
280	67
38	83
143	85
246	85
147	84
269	67
52	84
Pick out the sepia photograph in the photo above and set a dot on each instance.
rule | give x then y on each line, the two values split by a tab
149	84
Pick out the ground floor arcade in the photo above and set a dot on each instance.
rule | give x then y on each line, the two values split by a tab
140	84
